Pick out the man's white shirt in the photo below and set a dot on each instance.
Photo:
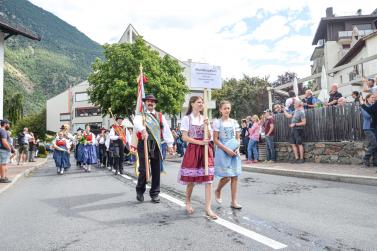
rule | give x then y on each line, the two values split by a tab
168	136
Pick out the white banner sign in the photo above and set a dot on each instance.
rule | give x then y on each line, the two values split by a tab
205	76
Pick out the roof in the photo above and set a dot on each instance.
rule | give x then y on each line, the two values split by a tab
124	38
321	29
354	50
16	30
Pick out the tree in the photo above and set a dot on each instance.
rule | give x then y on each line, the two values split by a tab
36	124
248	96
113	80
13	107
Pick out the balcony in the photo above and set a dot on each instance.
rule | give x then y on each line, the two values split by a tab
348	34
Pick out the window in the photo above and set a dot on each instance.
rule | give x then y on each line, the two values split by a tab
346	46
65	117
363	26
87	111
81	96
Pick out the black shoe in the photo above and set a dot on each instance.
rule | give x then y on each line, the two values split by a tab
300	161
140	197
155	199
5	180
294	161
121	171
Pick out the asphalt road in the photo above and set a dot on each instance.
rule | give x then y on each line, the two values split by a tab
98	211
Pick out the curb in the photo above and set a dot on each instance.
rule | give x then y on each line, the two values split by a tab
354	179
24	173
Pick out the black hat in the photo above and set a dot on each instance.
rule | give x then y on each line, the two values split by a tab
119	117
62	127
150	97
79	129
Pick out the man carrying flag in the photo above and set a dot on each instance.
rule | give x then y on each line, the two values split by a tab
154	129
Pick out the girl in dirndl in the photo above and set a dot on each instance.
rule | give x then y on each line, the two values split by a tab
89	155
227	158
61	153
192	170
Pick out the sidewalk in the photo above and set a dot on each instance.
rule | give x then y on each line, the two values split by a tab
15	172
333	172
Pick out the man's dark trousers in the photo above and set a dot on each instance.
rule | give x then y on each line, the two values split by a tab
155	159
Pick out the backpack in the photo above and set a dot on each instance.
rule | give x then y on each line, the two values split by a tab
21	138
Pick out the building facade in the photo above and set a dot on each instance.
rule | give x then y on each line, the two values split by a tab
73	107
336	38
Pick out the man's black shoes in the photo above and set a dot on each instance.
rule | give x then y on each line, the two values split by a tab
140	197
155	199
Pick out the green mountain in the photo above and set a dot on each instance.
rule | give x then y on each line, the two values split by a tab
42	69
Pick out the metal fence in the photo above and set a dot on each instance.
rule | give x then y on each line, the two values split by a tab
327	124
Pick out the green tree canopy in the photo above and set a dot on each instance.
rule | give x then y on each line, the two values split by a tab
113	80
248	96
13	107
36	123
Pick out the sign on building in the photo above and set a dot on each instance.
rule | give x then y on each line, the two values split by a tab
205	76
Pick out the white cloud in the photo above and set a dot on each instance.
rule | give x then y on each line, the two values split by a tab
271	29
191	29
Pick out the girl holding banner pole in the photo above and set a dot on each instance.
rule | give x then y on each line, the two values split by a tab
192	170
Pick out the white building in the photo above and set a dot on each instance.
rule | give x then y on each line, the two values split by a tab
341	40
73	107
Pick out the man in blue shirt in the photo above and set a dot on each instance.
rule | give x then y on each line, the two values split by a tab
5	150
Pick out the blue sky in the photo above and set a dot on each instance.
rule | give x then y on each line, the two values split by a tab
257	38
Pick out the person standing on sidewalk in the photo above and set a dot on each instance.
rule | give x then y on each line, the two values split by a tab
192	169
226	136
269	130
244	136
370	133
32	144
23	142
252	148
297	131
6	149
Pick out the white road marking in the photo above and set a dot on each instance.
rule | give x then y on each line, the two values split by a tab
231	226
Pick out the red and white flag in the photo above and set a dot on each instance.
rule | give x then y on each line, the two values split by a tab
139	106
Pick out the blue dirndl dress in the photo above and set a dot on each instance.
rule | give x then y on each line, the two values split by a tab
225	165
89	154
61	158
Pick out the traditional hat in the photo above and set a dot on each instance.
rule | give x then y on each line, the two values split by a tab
62	127
150	97
119	117
79	129
102	129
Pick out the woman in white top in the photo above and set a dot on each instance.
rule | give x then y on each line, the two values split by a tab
192	170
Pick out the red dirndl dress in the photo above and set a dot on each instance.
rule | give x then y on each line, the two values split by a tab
192	167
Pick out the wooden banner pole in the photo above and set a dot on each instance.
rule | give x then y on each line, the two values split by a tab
206	130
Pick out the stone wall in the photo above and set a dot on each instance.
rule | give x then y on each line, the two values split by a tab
325	152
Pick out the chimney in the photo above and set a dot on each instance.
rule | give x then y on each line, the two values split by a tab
359	12
329	12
